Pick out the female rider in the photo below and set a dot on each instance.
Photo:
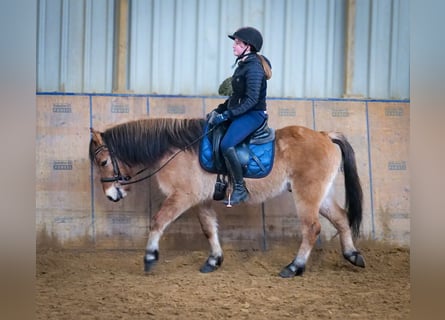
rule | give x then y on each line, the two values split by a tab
245	110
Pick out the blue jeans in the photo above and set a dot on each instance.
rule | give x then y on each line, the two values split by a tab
241	127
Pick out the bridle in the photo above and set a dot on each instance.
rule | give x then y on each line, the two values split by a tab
117	176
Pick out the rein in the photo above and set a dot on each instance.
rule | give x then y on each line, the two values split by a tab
126	180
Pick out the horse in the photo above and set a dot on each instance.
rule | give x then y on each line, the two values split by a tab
306	164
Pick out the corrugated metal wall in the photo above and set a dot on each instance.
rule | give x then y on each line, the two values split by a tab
75	45
381	52
181	46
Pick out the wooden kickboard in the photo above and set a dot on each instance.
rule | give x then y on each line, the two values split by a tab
72	209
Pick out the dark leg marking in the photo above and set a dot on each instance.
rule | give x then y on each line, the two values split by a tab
212	263
355	258
150	259
291	270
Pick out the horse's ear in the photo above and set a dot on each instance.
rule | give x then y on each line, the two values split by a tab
96	136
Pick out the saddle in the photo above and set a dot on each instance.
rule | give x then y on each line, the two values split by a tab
256	153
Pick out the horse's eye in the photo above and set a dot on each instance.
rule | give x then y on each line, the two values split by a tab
103	163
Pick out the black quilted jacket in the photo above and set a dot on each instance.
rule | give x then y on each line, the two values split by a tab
249	88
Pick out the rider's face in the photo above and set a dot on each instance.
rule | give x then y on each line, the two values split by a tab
239	47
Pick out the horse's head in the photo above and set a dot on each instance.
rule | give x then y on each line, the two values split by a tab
113	173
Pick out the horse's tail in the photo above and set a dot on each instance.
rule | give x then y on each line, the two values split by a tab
354	193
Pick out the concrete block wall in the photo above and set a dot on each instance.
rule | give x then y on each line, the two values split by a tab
71	210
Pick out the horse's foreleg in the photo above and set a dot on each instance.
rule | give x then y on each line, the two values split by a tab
209	226
172	207
310	228
337	216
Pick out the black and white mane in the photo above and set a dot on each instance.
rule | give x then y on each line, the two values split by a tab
146	141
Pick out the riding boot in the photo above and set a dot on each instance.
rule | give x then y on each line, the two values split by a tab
240	193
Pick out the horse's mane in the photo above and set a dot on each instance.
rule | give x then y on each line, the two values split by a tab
146	141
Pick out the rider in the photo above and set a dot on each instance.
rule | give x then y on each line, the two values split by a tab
245	110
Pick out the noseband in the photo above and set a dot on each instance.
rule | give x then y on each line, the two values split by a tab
116	172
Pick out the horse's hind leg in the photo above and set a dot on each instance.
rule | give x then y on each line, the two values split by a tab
310	228
209	226
337	216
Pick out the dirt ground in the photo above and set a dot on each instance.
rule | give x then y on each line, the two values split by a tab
110	284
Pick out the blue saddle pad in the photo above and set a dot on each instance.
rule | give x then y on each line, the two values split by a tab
256	158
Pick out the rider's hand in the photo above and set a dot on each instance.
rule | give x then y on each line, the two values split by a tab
217	118
211	114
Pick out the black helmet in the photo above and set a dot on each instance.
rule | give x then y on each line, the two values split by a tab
250	36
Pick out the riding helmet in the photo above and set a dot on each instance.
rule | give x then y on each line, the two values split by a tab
250	36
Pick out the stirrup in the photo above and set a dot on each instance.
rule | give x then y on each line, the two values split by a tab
229	203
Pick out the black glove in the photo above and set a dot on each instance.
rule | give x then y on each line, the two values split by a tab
217	118
211	114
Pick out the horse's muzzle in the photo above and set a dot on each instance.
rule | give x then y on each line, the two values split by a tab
115	193
112	199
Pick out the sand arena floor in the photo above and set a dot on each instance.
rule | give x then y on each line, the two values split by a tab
111	284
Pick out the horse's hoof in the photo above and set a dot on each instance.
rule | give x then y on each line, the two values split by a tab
291	270
355	258
148	265
150	260
206	268
211	264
